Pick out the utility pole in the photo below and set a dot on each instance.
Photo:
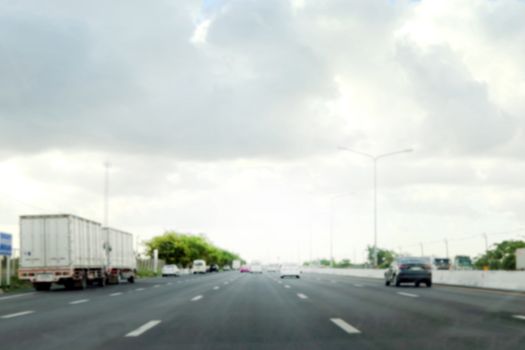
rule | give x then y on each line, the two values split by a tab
486	242
422	252
107	165
446	248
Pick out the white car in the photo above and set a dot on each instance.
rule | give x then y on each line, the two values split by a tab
290	271
170	270
199	266
256	268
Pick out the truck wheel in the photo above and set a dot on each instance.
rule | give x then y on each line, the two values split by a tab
429	283
69	284
82	284
131	279
102	281
387	283
42	286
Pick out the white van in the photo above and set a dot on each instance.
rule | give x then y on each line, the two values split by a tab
290	270
199	266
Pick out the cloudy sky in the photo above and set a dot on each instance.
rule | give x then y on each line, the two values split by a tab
224	117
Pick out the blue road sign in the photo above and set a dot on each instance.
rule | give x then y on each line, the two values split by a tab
6	244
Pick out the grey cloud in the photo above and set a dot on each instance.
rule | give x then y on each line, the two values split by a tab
459	115
133	83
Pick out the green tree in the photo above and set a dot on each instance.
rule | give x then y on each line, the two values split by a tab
501	257
384	257
343	263
182	249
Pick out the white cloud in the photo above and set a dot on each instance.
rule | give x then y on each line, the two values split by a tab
224	117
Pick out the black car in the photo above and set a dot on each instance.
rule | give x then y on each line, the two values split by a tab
409	270
213	268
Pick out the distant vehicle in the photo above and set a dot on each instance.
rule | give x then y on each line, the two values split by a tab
244	268
256	268
520	259
409	270
226	268
290	270
213	268
74	252
272	268
170	270
441	263
236	264
199	266
463	262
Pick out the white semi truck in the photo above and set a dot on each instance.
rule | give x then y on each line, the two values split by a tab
68	250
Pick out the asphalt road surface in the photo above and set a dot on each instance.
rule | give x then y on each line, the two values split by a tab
230	310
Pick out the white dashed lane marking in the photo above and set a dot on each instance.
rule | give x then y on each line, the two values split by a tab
302	296
81	301
216	288
519	317
22	313
115	294
410	295
16	296
142	329
139	289
345	326
198	297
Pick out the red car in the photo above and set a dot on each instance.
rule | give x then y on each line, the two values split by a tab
245	269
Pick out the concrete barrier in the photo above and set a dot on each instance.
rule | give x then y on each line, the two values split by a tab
506	280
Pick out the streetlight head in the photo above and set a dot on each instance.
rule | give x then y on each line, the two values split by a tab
408	150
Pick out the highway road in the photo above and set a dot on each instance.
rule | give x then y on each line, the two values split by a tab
230	310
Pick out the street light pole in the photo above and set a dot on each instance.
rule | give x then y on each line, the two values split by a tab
107	165
375	158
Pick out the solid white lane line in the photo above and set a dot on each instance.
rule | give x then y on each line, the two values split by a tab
142	329
22	313
408	294
286	286
302	296
519	317
345	326
16	296
139	289
79	301
198	297
115	294
216	287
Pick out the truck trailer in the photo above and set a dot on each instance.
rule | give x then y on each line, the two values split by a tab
121	261
72	251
